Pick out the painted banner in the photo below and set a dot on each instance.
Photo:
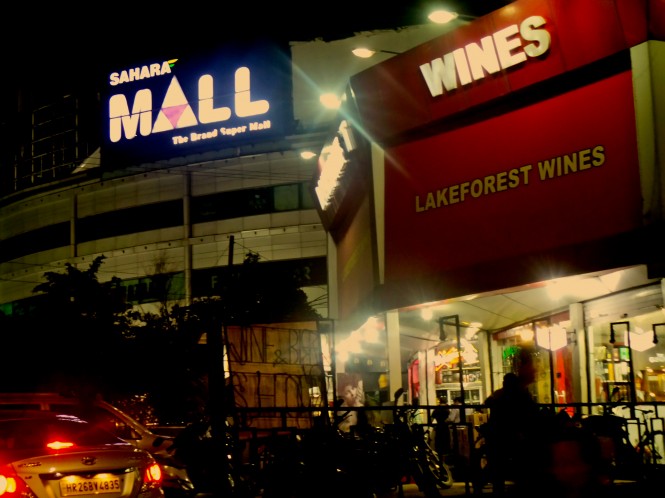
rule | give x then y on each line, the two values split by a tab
276	366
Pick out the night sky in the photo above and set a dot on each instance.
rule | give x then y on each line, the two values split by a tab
61	37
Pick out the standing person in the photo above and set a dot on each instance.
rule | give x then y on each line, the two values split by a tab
512	424
454	418
455	415
442	432
612	407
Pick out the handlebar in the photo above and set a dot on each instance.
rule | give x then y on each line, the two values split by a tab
609	407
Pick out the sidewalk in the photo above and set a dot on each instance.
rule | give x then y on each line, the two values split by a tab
458	489
627	489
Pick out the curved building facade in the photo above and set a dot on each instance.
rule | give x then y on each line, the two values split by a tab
219	160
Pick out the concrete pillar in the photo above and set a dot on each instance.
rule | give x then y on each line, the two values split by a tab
394	352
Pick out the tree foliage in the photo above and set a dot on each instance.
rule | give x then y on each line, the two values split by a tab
247	296
84	336
75	332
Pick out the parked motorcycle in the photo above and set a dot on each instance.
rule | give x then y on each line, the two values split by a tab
321	462
419	460
369	461
212	463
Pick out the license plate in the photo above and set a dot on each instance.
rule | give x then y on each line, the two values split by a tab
74	486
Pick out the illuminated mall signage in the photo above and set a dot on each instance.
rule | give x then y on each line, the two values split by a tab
178	106
506	48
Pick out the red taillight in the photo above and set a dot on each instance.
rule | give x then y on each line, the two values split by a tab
153	473
59	445
11	484
7	485
152	478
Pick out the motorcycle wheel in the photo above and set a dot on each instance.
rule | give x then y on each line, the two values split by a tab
426	482
430	476
441	471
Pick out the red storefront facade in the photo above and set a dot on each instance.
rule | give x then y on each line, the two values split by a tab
521	147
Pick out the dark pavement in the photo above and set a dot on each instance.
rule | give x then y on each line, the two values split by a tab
627	489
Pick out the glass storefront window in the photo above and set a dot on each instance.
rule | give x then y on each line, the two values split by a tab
552	355
627	364
457	370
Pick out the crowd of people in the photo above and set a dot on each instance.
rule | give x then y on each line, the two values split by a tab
545	454
542	453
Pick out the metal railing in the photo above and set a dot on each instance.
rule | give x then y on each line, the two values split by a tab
280	421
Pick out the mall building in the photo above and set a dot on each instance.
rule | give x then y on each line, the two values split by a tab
176	165
486	186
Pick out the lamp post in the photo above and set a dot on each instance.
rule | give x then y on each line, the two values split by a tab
454	321
631	373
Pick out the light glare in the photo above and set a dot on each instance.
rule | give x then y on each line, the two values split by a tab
363	53
442	16
330	101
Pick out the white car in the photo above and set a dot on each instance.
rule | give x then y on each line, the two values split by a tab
103	414
50	455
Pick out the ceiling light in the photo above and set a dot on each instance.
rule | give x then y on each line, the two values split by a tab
362	52
365	53
307	154
552	338
426	314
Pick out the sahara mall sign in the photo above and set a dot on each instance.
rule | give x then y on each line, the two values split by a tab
509	137
174	107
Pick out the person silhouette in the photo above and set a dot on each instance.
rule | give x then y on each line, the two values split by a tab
569	465
442	431
512	424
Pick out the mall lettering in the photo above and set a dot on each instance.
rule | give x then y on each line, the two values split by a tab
176	112
141	73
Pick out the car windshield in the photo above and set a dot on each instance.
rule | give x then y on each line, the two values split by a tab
36	433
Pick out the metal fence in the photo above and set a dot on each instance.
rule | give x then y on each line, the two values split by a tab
640	419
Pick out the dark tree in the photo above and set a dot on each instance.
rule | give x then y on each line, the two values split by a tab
78	326
83	337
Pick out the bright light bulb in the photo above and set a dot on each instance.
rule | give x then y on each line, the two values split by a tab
330	101
442	16
363	53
